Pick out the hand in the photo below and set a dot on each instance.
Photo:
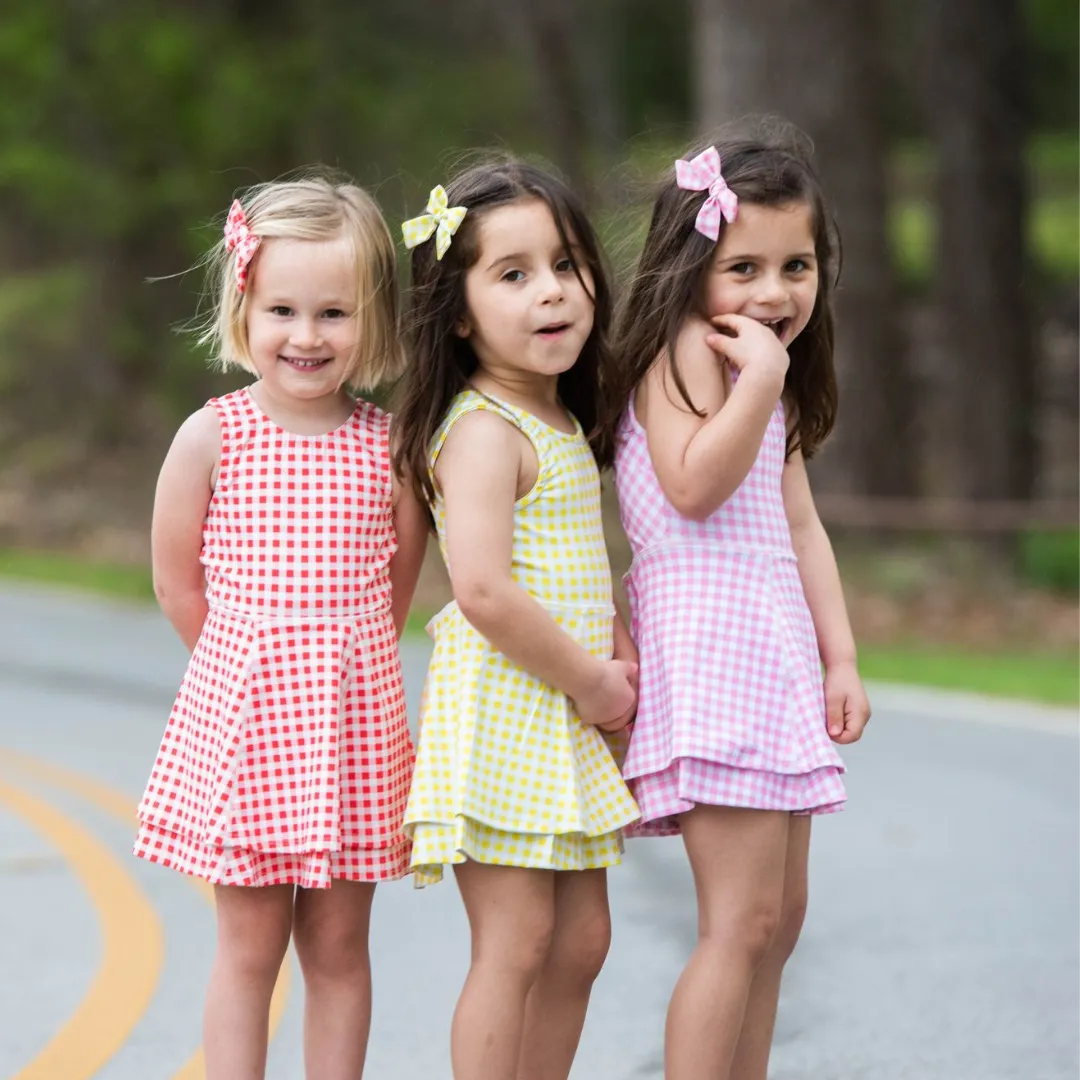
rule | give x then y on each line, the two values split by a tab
627	717
747	345
847	708
611	696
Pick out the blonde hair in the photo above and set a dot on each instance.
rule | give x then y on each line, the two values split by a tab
317	207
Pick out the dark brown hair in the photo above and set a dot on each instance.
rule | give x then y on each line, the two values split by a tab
769	166
440	362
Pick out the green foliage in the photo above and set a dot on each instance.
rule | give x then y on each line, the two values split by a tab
1051	560
1050	678
1054	29
105	579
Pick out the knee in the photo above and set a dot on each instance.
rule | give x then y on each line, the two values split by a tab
330	952
256	958
790	925
578	953
751	931
521	955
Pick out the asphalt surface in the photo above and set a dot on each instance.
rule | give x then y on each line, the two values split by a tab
941	944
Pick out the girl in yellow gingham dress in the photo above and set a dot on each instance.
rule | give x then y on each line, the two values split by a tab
515	785
507	773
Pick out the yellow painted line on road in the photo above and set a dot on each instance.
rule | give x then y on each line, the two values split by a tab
118	805
132	947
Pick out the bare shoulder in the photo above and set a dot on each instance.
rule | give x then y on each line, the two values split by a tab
481	440
700	369
198	438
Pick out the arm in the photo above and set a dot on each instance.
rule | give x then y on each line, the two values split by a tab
411	529
478	474
183	494
846	703
701	460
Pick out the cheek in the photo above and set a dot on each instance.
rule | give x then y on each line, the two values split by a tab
721	297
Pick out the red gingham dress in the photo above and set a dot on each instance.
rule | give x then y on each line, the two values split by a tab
287	757
731	708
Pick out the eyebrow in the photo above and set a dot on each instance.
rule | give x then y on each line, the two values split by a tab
804	255
575	252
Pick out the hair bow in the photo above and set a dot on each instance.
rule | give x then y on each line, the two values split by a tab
440	219
703	174
239	238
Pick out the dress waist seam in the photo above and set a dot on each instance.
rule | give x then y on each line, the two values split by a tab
293	618
721	547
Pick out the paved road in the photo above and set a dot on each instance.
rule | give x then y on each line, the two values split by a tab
941	943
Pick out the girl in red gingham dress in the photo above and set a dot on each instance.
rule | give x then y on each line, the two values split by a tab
727	387
285	554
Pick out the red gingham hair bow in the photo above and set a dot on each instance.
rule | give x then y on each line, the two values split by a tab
703	174
239	238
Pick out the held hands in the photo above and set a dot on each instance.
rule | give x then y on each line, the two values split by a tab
748	345
610	701
847	708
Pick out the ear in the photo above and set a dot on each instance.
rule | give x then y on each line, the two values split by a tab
463	327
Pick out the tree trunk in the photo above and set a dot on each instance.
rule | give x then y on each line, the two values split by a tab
819	65
564	43
976	112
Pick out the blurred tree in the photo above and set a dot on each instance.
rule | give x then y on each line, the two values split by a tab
820	65
567	48
977	110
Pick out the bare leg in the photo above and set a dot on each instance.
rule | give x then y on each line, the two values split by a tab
511	915
555	1012
752	1054
331	934
253	934
737	857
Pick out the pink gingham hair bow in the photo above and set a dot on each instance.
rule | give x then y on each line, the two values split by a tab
703	174
239	238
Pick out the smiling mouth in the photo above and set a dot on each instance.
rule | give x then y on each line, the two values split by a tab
301	364
777	326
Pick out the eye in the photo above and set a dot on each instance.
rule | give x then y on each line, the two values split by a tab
513	276
742	269
564	266
280	309
334	313
797	266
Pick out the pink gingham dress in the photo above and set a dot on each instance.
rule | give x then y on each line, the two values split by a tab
731	709
287	757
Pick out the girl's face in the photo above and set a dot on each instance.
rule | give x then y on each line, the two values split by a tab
528	313
765	268
301	316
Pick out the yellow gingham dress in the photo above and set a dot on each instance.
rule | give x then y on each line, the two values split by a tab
506	773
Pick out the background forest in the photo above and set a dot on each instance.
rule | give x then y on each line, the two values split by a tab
946	133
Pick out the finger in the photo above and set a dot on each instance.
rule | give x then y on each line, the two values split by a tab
727	324
834	714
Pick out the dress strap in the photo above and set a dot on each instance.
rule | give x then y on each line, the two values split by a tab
238	417
469	401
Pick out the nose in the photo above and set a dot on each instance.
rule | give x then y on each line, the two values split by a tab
305	334
549	287
771	289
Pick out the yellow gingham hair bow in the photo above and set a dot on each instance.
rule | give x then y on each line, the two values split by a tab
440	219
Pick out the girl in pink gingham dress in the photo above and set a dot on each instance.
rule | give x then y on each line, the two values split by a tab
285	554
735	598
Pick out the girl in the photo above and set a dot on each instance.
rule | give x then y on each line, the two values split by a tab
515	785
728	386
285	555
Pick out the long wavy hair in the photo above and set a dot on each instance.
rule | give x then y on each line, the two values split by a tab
768	166
440	363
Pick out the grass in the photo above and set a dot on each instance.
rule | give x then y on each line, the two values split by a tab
56	568
1046	677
